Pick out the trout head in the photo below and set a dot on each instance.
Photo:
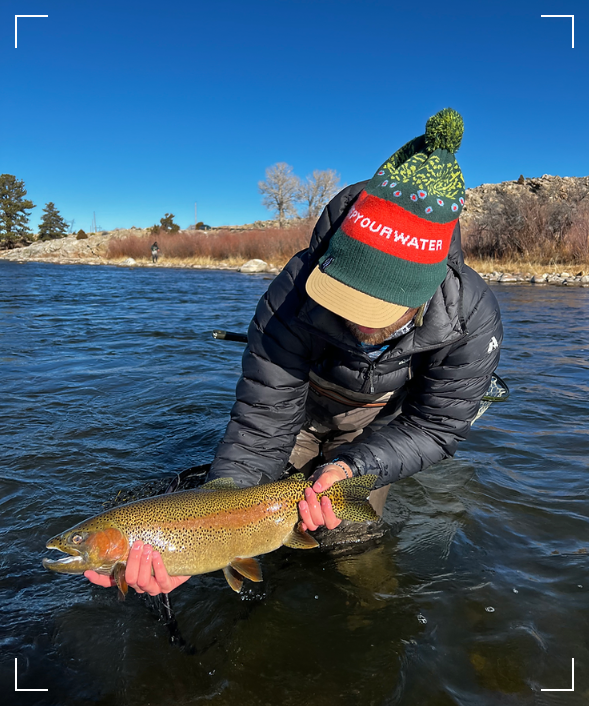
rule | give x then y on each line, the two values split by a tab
88	547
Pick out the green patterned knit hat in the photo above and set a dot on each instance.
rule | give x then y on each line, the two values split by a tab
390	253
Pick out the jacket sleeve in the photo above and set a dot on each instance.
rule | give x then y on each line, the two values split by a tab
269	410
442	402
271	393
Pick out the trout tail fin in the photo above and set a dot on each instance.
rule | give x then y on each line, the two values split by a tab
349	498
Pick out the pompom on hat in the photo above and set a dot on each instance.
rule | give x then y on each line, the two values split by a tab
390	252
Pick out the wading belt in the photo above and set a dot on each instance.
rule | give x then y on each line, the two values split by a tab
337	397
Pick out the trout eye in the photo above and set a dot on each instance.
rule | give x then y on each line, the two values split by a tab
77	539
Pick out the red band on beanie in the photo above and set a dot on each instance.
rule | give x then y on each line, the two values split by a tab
391	229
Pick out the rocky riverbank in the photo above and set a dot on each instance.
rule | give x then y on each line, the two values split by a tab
562	278
546	188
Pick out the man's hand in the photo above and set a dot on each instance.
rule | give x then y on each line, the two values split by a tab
315	513
145	572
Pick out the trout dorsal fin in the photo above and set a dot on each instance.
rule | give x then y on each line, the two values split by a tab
298	539
220	484
250	568
119	577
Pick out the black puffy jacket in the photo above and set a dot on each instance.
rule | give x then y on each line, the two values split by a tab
442	369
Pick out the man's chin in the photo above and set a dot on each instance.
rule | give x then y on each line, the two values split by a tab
371	337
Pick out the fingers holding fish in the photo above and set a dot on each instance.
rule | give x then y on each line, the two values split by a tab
165	582
307	518
99	579
146	572
331	521
325	476
138	573
315	513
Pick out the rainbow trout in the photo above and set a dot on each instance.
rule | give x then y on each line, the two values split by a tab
218	526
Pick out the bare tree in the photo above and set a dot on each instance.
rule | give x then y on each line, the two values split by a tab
318	190
280	191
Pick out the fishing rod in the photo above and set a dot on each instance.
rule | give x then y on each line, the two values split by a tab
229	336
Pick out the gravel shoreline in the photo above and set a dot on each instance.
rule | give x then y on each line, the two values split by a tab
563	279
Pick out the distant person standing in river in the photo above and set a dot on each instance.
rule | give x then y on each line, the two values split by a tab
155	251
371	350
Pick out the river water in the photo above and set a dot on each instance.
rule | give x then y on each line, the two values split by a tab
478	594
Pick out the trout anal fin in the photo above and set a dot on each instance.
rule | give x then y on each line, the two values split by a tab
249	567
298	539
234	578
119	577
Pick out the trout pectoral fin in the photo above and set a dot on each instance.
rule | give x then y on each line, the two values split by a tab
250	568
234	578
119	577
298	539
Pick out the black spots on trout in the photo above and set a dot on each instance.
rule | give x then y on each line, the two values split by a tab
298	539
359	486
349	498
356	511
297	477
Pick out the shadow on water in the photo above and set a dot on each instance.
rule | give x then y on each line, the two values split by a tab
477	594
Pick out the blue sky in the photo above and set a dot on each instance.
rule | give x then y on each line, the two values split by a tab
133	109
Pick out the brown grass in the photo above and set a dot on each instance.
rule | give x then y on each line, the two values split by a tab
521	237
525	266
274	245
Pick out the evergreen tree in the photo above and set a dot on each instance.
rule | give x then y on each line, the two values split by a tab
166	225
13	212
52	225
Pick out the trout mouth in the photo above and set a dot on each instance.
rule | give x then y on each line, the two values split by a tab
74	563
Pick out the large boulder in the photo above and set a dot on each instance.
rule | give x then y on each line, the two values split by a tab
253	266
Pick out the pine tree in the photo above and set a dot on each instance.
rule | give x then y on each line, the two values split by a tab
13	212
166	225
52	225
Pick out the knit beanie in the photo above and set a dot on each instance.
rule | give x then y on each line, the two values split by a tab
391	250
